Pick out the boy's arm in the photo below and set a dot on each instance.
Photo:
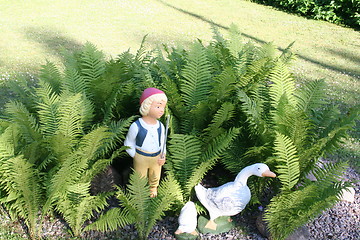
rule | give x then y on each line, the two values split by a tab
130	140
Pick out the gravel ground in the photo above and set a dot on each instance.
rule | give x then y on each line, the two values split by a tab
340	222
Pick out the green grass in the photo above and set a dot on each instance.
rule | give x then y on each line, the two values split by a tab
39	30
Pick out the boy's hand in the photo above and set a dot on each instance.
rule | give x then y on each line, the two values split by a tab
161	160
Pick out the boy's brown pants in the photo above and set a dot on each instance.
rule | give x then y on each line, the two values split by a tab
148	167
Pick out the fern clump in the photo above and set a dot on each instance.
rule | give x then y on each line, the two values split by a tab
138	208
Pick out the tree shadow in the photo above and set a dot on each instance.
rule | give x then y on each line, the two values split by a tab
53	41
353	72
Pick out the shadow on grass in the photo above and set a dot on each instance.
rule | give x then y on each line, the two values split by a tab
345	55
52	41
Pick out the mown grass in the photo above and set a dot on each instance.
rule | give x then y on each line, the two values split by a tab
39	30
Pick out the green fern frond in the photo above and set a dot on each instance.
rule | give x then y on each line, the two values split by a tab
287	56
8	143
183	157
197	77
210	155
92	63
70	118
224	114
328	173
288	162
22	182
79	206
48	104
224	85
253	110
22	88
111	220
74	82
311	95
288	211
50	74
335	130
18	113
141	53
217	36
91	145
252	71
282	85
234	43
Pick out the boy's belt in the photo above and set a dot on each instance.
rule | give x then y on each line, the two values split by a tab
147	154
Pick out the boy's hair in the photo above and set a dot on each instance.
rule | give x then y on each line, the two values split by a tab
145	105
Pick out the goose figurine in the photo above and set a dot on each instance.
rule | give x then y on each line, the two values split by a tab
187	219
232	197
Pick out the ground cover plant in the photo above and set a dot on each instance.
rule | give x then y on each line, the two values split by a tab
232	103
339	11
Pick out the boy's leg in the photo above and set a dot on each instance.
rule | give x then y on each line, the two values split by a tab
154	175
141	164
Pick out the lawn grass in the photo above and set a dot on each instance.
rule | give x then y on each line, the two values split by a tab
38	30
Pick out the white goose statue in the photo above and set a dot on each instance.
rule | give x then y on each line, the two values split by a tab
232	197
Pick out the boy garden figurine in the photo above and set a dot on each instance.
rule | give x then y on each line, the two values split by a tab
146	137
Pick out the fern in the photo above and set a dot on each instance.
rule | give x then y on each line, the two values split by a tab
79	206
92	63
234	44
183	157
282	85
74	82
137	206
288	162
211	153
254	112
224	85
294	209
311	96
225	113
51	75
196	84
18	113
22	183
47	105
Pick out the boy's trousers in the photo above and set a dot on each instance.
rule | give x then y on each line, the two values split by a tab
148	167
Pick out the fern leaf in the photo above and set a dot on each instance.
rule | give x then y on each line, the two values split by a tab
282	85
111	220
197	77
50	74
210	156
18	113
92	63
224	85
21	181
290	210
70	116
183	157
73	82
8	142
288	162
311	96
253	111
235	44
225	113
48	105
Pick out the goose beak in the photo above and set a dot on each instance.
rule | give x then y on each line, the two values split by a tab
268	173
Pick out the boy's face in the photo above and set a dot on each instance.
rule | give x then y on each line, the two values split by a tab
157	109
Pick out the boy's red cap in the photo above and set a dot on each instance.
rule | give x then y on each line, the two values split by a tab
149	92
